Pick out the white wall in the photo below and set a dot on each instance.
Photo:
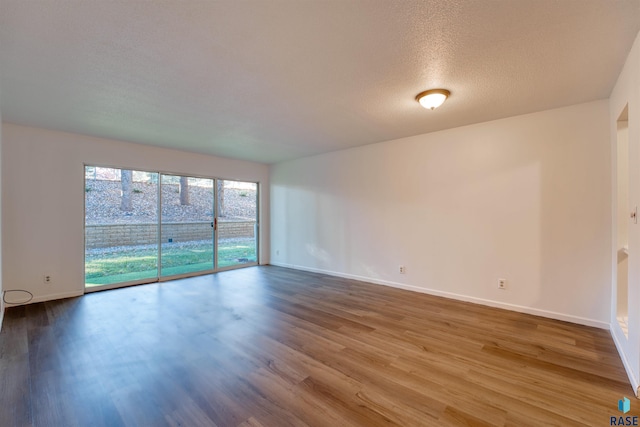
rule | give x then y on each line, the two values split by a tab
1	287
524	198
627	91
43	200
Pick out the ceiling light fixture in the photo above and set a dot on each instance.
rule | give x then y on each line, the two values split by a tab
432	98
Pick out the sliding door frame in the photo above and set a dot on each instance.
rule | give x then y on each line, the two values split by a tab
257	231
158	277
214	245
84	226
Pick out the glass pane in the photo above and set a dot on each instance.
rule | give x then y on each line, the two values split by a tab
237	223
121	226
187	225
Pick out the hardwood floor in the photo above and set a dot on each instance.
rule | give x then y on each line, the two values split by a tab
268	346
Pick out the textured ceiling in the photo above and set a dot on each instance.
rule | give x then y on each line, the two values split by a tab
275	80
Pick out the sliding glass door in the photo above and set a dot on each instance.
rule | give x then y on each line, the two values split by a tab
187	225
144	226
121	226
237	223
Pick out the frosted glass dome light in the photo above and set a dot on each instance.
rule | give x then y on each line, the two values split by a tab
433	98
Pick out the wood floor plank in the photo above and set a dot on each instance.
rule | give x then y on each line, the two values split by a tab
269	346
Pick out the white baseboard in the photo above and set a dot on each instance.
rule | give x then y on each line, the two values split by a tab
68	294
459	297
50	297
617	334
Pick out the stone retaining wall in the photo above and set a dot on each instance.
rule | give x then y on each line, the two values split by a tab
106	235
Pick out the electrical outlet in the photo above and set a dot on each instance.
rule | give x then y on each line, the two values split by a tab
403	269
502	284
277	251
46	278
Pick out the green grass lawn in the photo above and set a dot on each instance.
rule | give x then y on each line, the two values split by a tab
141	263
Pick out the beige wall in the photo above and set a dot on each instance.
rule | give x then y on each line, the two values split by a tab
627	91
43	200
525	198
